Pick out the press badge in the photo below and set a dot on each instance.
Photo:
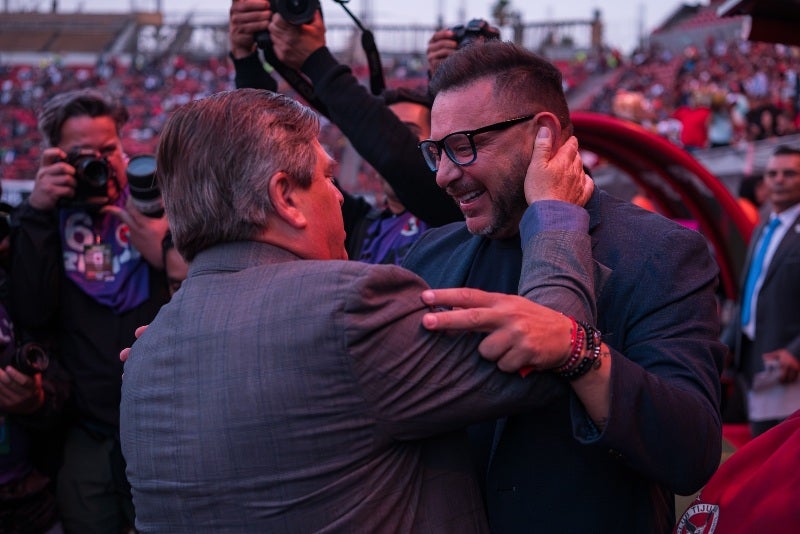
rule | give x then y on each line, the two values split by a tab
97	262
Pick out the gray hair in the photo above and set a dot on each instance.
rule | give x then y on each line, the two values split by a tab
78	103
215	158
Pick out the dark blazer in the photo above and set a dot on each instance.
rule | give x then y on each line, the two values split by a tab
279	395
551	470
778	307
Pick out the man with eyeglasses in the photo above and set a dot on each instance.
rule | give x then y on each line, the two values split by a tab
640	423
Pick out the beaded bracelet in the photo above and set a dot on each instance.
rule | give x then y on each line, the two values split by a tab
577	347
590	356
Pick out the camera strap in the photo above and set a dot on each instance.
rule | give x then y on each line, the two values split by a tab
376	80
292	77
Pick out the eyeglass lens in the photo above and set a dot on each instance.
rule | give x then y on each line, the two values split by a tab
459	146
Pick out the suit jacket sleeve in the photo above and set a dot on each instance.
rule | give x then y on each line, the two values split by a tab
418	382
558	270
439	381
250	72
665	391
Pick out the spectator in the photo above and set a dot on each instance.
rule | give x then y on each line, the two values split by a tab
32	395
752	195
695	119
720	126
762	121
764	334
620	430
332	410
384	235
87	270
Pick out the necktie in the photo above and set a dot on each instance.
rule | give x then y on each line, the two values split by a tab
755	269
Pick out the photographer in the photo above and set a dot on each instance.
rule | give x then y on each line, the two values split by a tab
86	266
378	135
31	402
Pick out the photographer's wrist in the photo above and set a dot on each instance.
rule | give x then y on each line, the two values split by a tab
238	53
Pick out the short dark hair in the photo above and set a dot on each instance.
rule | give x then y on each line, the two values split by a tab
785	150
747	187
516	72
78	103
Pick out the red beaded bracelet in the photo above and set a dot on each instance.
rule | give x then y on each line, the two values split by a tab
587	359
578	342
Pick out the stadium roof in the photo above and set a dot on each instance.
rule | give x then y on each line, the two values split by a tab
773	21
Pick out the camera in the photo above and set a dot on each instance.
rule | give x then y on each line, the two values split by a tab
30	358
296	12
145	194
475	30
92	175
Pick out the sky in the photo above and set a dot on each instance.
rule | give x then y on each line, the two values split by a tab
624	19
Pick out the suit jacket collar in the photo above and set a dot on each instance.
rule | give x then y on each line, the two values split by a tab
237	256
788	243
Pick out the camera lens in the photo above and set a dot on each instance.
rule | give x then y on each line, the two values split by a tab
296	12
93	171
32	358
142	184
296	6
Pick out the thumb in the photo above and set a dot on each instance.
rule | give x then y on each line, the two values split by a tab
542	147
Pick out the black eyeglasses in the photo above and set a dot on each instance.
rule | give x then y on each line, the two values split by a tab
460	146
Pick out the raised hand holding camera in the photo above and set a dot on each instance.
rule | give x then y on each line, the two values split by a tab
248	18
293	44
54	180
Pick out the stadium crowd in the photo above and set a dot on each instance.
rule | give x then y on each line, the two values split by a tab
535	238
724	92
716	94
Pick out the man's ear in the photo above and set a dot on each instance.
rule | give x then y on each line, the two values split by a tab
284	195
548	120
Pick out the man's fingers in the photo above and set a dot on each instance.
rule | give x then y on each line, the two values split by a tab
495	345
458	297
472	319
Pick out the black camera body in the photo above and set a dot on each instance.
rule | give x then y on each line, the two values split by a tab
474	30
297	12
145	194
92	175
30	358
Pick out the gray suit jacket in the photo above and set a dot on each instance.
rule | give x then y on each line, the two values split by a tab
279	395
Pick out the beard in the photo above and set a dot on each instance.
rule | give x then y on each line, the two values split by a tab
508	204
